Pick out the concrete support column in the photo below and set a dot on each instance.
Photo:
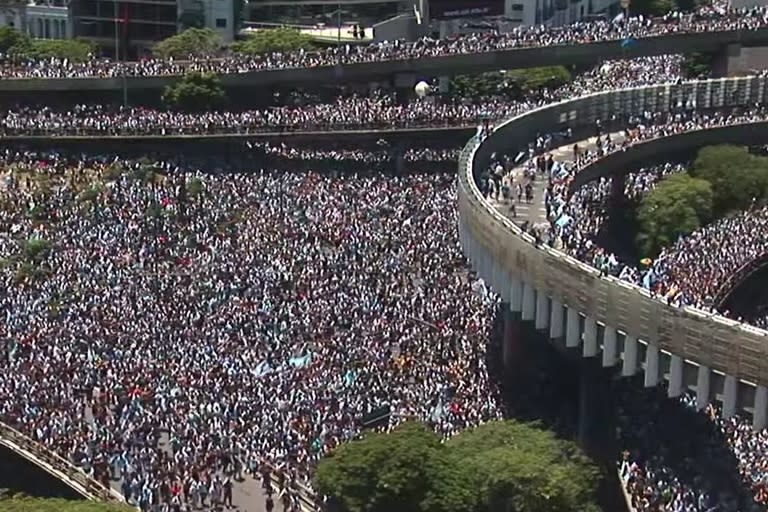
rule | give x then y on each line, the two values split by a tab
651	366
542	310
760	413
702	387
609	346
572	333
629	365
515	294
617	190
504	285
529	302
675	377
506	342
729	396
590	337
556	320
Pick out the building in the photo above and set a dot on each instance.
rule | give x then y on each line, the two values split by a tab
42	19
133	26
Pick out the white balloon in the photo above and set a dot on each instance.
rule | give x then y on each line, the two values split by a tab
422	89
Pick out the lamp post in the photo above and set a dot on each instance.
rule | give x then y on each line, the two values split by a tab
117	55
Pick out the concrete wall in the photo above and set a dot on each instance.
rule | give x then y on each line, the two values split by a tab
435	66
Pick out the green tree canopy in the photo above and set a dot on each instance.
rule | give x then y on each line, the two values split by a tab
737	177
494	83
533	79
10	37
679	205
497	466
27	504
274	40
697	65
193	42
195	92
17	43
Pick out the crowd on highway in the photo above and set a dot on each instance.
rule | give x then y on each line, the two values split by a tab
679	459
691	271
378	111
706	19
172	327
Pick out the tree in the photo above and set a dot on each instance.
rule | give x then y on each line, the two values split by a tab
679	205
10	37
37	249
497	466
74	50
193	42
494	83
195	92
382	472
533	79
737	177
522	467
697	65
274	40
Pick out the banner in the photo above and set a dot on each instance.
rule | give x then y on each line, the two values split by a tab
447	9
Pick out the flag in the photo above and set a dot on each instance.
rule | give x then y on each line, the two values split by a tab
626	43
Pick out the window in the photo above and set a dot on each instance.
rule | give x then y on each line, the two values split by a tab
221	23
517	7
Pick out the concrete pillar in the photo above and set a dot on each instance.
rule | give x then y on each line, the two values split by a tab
542	310
506	342
629	365
572	333
504	285
651	366
729	396
760	407
529	302
609	346
702	387
675	377
728	61
617	190
590	337
556	320
515	294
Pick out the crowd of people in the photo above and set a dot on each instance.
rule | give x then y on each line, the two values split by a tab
379	111
171	327
690	272
679	459
706	19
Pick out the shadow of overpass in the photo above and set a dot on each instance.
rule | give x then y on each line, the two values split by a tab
19	475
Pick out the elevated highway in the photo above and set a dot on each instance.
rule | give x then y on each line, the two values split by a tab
602	317
727	42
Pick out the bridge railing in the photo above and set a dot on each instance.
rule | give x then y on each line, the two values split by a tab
57	466
722	344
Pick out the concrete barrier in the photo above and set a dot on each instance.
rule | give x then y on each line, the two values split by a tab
584	53
57	466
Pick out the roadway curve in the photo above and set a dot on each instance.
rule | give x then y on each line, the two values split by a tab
583	53
503	255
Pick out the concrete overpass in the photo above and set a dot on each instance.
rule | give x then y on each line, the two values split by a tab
613	321
56	466
727	42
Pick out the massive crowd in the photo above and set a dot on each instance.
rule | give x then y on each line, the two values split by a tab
378	111
705	19
242	315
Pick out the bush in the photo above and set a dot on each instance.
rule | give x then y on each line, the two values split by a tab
195	187
273	40
533	79
195	92
193	42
